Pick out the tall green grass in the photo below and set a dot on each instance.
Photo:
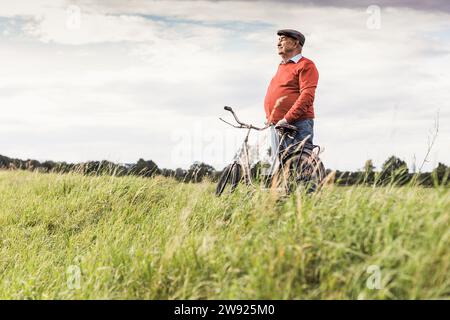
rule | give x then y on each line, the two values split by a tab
156	238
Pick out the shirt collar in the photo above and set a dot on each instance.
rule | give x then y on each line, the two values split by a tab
294	59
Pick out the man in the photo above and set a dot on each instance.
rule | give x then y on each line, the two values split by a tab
290	96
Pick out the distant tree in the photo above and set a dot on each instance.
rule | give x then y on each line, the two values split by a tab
440	173
18	164
199	170
348	178
394	170
64	167
368	166
256	170
145	168
32	164
369	173
4	162
48	166
167	173
110	168
180	174
89	168
424	179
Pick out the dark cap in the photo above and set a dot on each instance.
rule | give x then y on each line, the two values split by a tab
297	35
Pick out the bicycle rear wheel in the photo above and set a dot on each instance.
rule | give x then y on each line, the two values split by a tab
231	175
300	172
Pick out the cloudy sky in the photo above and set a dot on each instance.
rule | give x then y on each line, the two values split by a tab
121	80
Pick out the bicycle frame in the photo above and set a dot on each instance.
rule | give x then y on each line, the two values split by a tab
242	155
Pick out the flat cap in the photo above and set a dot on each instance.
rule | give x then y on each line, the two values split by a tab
292	34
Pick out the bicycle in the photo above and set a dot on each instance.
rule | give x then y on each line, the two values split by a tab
297	165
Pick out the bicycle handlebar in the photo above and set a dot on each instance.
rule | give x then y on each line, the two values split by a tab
286	127
241	124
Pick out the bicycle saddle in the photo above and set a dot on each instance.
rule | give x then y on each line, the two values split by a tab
287	128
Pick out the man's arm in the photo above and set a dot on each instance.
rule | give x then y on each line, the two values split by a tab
308	79
275	107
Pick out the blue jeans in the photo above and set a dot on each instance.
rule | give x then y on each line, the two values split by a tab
305	128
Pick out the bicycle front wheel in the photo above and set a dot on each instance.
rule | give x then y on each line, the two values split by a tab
231	175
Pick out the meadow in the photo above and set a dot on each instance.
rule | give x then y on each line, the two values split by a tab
69	236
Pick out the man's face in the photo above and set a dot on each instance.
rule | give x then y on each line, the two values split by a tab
286	45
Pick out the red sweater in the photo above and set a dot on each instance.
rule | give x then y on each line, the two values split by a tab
297	82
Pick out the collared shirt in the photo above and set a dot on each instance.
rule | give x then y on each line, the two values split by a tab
294	59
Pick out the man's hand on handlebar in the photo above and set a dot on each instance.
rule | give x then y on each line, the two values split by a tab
281	122
283	125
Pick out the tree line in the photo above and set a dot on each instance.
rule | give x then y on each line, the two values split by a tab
145	168
393	170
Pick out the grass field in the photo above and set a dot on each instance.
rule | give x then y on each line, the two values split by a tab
76	237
